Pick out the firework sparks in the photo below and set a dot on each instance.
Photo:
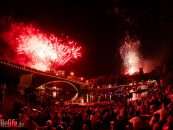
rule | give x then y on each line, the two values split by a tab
130	55
39	50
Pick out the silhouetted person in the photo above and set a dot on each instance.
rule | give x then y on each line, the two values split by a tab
16	109
1	96
26	94
2	92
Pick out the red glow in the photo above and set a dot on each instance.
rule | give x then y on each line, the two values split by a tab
38	50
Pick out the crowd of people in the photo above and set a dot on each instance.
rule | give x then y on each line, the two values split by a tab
155	112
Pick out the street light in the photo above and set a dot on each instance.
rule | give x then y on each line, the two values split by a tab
72	73
81	78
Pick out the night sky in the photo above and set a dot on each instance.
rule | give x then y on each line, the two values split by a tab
99	28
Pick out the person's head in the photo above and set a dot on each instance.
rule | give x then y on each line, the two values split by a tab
85	127
170	120
153	97
112	123
152	108
49	123
138	103
20	116
116	111
30	118
137	113
119	117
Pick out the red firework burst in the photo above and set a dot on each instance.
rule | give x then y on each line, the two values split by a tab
38	50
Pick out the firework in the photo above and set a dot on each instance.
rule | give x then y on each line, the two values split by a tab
130	55
38	50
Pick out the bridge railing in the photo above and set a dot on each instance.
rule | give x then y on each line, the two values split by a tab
32	70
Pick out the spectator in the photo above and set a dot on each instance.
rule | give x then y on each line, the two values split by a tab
31	125
162	112
169	124
136	121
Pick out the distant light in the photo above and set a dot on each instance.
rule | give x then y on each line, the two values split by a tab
87	99
131	84
41	87
54	94
82	100
72	73
109	86
81	78
110	97
54	87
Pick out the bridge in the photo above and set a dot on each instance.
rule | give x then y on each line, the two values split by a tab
11	72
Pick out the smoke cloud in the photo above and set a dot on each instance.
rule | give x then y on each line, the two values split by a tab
161	55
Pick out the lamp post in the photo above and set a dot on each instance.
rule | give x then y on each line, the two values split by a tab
71	73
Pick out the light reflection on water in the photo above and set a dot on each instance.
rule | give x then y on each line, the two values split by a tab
136	96
95	97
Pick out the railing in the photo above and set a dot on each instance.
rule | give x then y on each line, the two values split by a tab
31	70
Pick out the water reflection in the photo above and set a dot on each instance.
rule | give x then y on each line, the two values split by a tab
75	97
65	91
87	98
109	96
136	96
58	90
